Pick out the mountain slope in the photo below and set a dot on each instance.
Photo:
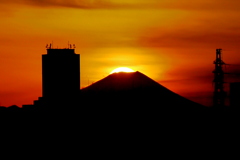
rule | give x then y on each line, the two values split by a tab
134	89
123	81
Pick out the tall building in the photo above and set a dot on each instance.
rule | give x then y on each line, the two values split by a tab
60	74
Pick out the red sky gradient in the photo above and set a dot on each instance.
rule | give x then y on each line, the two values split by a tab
171	41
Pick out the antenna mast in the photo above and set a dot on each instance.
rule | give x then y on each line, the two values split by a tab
219	94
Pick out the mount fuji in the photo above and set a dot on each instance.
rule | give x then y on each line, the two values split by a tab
135	90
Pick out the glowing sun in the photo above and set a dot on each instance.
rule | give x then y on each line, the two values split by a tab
122	69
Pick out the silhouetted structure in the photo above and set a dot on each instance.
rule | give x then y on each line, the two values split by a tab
219	93
234	95
60	75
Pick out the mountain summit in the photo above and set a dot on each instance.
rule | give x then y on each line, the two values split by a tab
123	81
134	89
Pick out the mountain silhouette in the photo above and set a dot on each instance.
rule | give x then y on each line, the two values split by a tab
135	90
123	81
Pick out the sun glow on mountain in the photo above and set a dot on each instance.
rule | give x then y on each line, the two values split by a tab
122	69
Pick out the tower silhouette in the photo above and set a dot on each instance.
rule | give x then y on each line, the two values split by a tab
219	93
60	75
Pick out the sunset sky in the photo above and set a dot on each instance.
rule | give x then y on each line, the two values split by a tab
171	41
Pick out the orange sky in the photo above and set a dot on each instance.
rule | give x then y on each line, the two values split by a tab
171	41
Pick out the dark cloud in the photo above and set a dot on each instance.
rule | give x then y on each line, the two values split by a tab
83	4
191	38
54	3
201	4
60	3
163	4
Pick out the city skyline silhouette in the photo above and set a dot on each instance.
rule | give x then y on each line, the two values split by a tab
61	84
173	42
120	92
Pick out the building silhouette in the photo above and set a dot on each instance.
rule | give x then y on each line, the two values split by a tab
60	75
60	79
234	95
